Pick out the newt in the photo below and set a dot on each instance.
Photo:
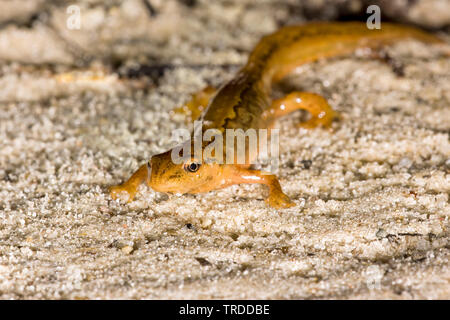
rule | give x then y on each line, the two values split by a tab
245	102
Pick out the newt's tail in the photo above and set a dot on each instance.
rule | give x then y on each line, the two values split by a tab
277	54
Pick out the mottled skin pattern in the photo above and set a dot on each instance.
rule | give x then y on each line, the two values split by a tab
245	102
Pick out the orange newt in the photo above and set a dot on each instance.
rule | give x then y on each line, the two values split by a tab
245	102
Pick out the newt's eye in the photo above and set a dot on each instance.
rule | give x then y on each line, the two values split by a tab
192	167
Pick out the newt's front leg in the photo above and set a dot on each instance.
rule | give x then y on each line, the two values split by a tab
277	198
130	187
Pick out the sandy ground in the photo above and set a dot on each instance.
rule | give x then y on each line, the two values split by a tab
372	197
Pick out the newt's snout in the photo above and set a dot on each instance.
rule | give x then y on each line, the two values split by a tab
162	174
149	171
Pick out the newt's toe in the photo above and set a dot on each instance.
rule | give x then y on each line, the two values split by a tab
280	201
121	192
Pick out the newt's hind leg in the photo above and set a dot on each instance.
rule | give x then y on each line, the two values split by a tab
321	112
199	101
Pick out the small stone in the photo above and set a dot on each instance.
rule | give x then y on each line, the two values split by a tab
405	163
381	233
127	249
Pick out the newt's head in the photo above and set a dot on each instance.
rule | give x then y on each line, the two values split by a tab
191	176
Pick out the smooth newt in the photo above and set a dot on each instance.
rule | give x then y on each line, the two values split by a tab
245	102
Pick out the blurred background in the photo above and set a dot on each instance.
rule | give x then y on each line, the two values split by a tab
123	32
